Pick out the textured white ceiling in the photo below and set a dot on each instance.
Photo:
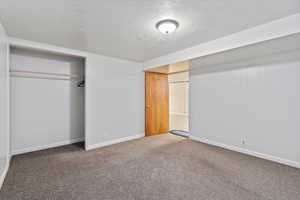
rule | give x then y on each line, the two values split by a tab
126	28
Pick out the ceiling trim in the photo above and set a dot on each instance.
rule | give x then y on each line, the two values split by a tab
275	29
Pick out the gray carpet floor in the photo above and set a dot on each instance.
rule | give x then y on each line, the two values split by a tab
164	167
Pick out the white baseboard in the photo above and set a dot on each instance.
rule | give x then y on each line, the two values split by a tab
115	141
47	146
3	175
248	152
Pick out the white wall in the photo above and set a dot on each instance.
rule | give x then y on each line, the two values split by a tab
114	100
46	110
258	104
4	111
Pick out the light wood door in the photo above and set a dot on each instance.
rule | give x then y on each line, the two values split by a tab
157	103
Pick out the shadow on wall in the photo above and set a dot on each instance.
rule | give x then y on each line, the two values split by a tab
77	98
276	51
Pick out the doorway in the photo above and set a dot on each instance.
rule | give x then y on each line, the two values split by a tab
167	102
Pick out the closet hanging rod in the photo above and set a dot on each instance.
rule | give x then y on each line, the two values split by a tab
47	73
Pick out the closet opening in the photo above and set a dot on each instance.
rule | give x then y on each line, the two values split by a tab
167	99
47	92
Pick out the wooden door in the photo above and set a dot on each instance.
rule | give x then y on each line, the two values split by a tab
157	103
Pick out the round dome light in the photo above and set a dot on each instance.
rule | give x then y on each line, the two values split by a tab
167	26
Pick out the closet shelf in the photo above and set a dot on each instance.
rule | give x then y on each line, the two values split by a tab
47	73
177	113
179	82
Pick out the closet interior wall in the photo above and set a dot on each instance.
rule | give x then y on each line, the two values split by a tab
179	101
46	110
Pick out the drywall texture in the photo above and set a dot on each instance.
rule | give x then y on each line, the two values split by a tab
4	127
45	110
179	101
114	99
251	104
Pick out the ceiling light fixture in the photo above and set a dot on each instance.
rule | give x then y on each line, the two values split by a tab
167	26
